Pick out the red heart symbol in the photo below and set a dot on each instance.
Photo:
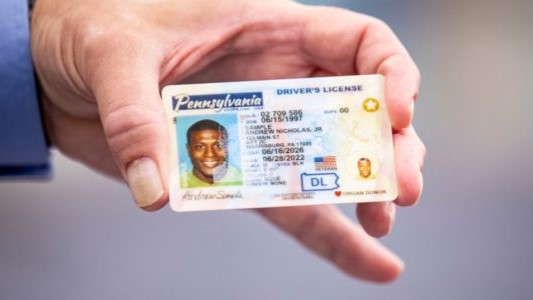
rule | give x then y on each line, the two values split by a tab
338	193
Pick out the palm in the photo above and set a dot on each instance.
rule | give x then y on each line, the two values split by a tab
102	105
268	64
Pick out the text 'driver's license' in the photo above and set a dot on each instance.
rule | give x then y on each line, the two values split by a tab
279	143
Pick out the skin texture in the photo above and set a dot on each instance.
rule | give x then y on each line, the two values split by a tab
206	153
102	64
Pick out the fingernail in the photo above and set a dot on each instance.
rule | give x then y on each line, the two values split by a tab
144	181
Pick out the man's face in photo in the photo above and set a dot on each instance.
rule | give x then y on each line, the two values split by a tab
365	168
207	151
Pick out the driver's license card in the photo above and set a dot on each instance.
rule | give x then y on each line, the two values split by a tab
279	143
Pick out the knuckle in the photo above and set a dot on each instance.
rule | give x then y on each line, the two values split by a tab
419	143
98	40
378	24
418	74
133	131
94	40
423	149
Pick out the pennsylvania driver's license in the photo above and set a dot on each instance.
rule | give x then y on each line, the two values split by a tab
279	143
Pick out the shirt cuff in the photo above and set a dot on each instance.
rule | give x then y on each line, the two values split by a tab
24	152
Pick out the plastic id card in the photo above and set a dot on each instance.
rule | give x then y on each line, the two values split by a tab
279	143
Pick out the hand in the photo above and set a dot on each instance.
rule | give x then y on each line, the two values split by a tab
102	64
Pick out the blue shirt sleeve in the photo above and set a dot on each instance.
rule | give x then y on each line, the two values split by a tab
23	149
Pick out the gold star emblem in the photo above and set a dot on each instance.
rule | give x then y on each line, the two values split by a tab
370	105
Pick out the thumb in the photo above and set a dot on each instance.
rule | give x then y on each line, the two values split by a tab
131	112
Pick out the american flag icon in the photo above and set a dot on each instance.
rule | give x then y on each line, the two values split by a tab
329	162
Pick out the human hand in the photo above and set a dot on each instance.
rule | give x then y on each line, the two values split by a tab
102	64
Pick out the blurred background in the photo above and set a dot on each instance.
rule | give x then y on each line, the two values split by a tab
80	236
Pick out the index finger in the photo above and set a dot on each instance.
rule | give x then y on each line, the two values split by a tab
330	234
344	42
